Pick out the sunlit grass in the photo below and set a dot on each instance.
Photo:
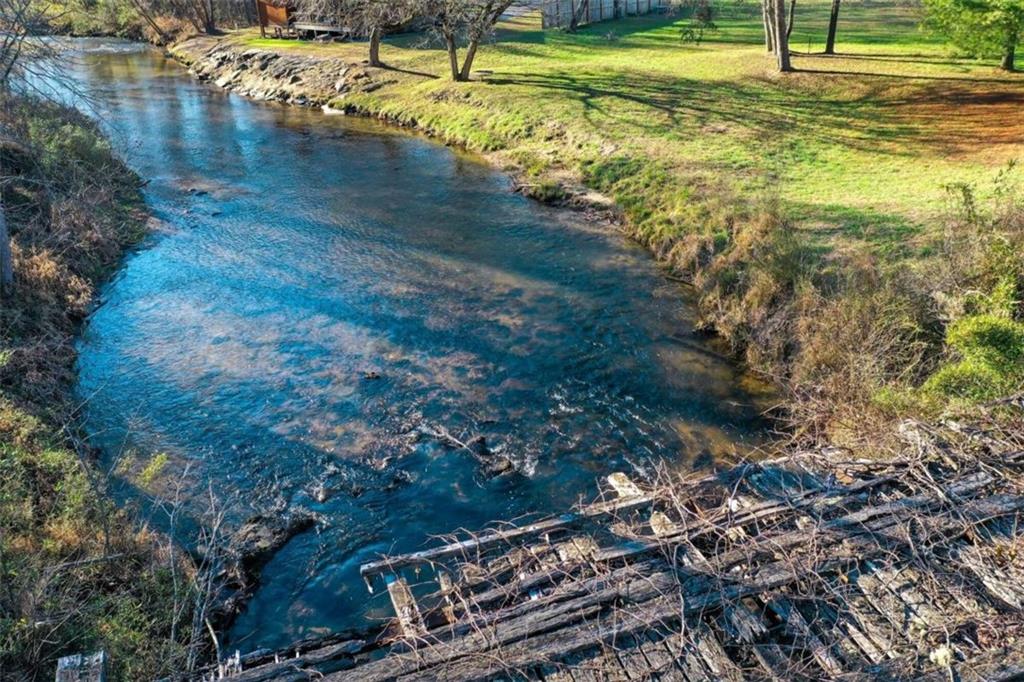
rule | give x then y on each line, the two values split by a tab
858	145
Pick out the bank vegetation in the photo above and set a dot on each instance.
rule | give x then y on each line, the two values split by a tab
77	573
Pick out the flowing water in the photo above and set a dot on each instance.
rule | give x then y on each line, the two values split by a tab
321	290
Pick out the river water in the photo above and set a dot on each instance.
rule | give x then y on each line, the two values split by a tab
321	290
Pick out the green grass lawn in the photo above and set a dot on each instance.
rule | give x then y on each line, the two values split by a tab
858	146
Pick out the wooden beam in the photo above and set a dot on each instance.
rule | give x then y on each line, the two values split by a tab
409	619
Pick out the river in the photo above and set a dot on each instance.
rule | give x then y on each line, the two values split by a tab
320	291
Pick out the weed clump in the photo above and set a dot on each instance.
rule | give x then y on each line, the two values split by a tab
991	349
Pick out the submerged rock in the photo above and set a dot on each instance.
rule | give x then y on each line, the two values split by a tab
494	464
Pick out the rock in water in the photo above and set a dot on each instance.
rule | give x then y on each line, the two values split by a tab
250	549
262	536
494	464
478	446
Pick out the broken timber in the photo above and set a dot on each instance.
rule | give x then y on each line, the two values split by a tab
802	568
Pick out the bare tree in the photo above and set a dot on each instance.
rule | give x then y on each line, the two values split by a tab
577	16
371	18
18	53
769	37
200	14
469	20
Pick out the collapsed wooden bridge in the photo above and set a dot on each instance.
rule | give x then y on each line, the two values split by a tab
811	567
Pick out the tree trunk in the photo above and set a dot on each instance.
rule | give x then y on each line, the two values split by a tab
1009	55
375	34
792	13
766	17
453	55
833	21
145	14
467	61
577	13
781	40
211	25
6	256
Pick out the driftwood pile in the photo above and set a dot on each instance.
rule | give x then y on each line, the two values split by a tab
814	566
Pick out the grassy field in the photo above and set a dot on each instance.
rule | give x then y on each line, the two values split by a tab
812	210
858	145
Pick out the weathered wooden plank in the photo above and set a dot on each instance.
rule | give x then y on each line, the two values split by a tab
600	509
409	619
659	660
801	630
773	661
661	525
555	673
888	605
712	654
321	661
490	539
624	486
959	586
698	597
633	661
875	636
825	622
902	582
83	667
610	666
587	669
746	624
860	521
565	622
853	630
592	632
687	663
742	624
998	665
444	581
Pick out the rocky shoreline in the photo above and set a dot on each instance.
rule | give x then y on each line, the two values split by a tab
325	82
270	76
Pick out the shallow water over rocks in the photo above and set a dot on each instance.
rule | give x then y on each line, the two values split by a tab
330	306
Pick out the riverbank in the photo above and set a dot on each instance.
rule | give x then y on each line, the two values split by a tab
77	573
825	218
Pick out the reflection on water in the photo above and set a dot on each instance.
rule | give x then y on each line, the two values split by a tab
322	287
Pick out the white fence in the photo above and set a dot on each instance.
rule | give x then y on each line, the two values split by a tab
559	13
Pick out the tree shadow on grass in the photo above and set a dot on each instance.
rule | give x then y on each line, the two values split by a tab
908	57
412	72
889	235
761	109
881	116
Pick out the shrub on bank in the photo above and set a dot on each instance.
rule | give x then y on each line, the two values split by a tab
991	349
76	573
852	338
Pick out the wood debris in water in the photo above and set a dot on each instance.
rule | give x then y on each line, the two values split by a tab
801	568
